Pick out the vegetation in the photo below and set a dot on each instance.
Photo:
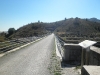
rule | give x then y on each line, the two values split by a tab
55	65
10	32
78	29
2	39
73	28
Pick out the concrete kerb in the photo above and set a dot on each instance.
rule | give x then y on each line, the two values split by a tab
57	51
13	50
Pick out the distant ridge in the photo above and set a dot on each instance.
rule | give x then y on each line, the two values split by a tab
94	20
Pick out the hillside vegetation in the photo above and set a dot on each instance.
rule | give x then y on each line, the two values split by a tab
67	29
79	27
76	29
36	29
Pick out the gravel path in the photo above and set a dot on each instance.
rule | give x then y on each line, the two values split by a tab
69	69
31	60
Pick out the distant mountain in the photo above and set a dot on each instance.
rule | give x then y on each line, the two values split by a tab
94	20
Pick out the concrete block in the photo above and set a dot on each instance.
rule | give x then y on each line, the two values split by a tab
72	52
90	70
94	56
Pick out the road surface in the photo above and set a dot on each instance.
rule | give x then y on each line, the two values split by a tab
31	60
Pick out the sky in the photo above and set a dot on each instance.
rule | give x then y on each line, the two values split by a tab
16	13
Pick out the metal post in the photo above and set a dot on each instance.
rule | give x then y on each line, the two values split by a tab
82	57
87	55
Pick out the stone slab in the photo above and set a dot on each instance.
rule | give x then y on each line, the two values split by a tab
90	70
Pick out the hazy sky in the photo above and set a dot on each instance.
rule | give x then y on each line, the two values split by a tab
16	13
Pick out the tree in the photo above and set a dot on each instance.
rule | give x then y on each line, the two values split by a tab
38	21
11	31
65	19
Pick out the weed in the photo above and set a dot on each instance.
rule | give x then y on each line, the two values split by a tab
54	66
57	73
78	67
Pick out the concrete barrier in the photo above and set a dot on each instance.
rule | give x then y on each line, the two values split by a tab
69	52
90	70
58	48
94	58
72	52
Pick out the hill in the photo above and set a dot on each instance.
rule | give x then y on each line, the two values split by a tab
72	27
32	29
36	29
75	28
29	30
79	27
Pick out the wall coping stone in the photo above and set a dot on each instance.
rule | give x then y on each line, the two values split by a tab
95	49
92	70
